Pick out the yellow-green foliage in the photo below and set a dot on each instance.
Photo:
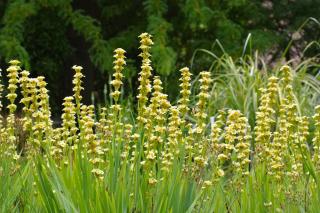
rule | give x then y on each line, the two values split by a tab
164	138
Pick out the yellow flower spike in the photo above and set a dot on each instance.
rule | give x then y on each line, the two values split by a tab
29	100
156	97
118	68
145	86
13	76
291	118
24	79
276	161
77	87
146	43
201	115
278	151
102	130
286	74
90	141
117	83
242	148
171	150
216	131
161	115
304	130
155	126
13	80
265	119
236	140
135	151
185	91
114	124
41	121
156	114
126	137
197	134
299	146
69	133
